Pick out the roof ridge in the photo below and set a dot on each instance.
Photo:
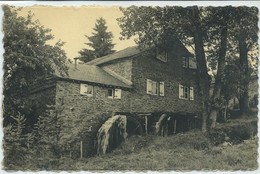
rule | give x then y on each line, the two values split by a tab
129	51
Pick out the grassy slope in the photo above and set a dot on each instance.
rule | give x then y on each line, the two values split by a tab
189	151
238	157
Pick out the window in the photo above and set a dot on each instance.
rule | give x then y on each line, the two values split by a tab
189	62
186	93
110	93
185	62
192	63
86	89
154	88
114	93
162	55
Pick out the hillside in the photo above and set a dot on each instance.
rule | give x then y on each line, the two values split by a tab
231	146
188	151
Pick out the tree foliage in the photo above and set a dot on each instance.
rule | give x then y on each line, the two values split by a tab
100	42
27	56
15	142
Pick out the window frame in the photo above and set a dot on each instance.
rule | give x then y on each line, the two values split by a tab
162	53
185	62
86	86
155	88
187	92
113	96
112	93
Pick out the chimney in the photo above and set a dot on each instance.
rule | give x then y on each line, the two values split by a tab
76	62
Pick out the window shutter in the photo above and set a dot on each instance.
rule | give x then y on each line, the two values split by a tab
161	88
191	93
149	86
181	91
118	93
184	63
90	90
192	63
83	89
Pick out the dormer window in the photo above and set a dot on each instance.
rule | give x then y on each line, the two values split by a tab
161	55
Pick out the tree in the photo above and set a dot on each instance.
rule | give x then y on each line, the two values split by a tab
27	57
245	32
100	42
220	24
48	133
15	143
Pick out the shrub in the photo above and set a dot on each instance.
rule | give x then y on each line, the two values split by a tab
15	150
242	132
216	137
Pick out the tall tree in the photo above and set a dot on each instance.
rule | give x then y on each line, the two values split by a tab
100	42
27	56
219	24
245	32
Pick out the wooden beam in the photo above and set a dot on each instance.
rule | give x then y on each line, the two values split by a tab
146	124
81	149
174	128
148	114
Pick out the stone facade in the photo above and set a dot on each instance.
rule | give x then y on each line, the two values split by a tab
146	66
83	115
122	67
172	74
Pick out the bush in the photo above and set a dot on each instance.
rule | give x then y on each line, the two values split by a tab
242	132
235	131
216	137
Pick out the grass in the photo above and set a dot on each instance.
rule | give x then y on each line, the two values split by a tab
189	151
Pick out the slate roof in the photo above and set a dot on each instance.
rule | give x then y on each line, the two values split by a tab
93	74
127	52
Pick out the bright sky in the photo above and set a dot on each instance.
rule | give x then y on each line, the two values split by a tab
71	24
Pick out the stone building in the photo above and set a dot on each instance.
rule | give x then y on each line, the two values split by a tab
142	85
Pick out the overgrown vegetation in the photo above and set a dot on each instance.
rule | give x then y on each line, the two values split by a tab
189	151
192	150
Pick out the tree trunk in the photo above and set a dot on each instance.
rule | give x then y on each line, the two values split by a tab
244	101
216	98
225	112
203	78
243	60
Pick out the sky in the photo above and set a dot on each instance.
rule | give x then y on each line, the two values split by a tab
71	24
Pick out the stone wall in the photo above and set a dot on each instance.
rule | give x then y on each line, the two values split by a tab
83	115
146	66
123	67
